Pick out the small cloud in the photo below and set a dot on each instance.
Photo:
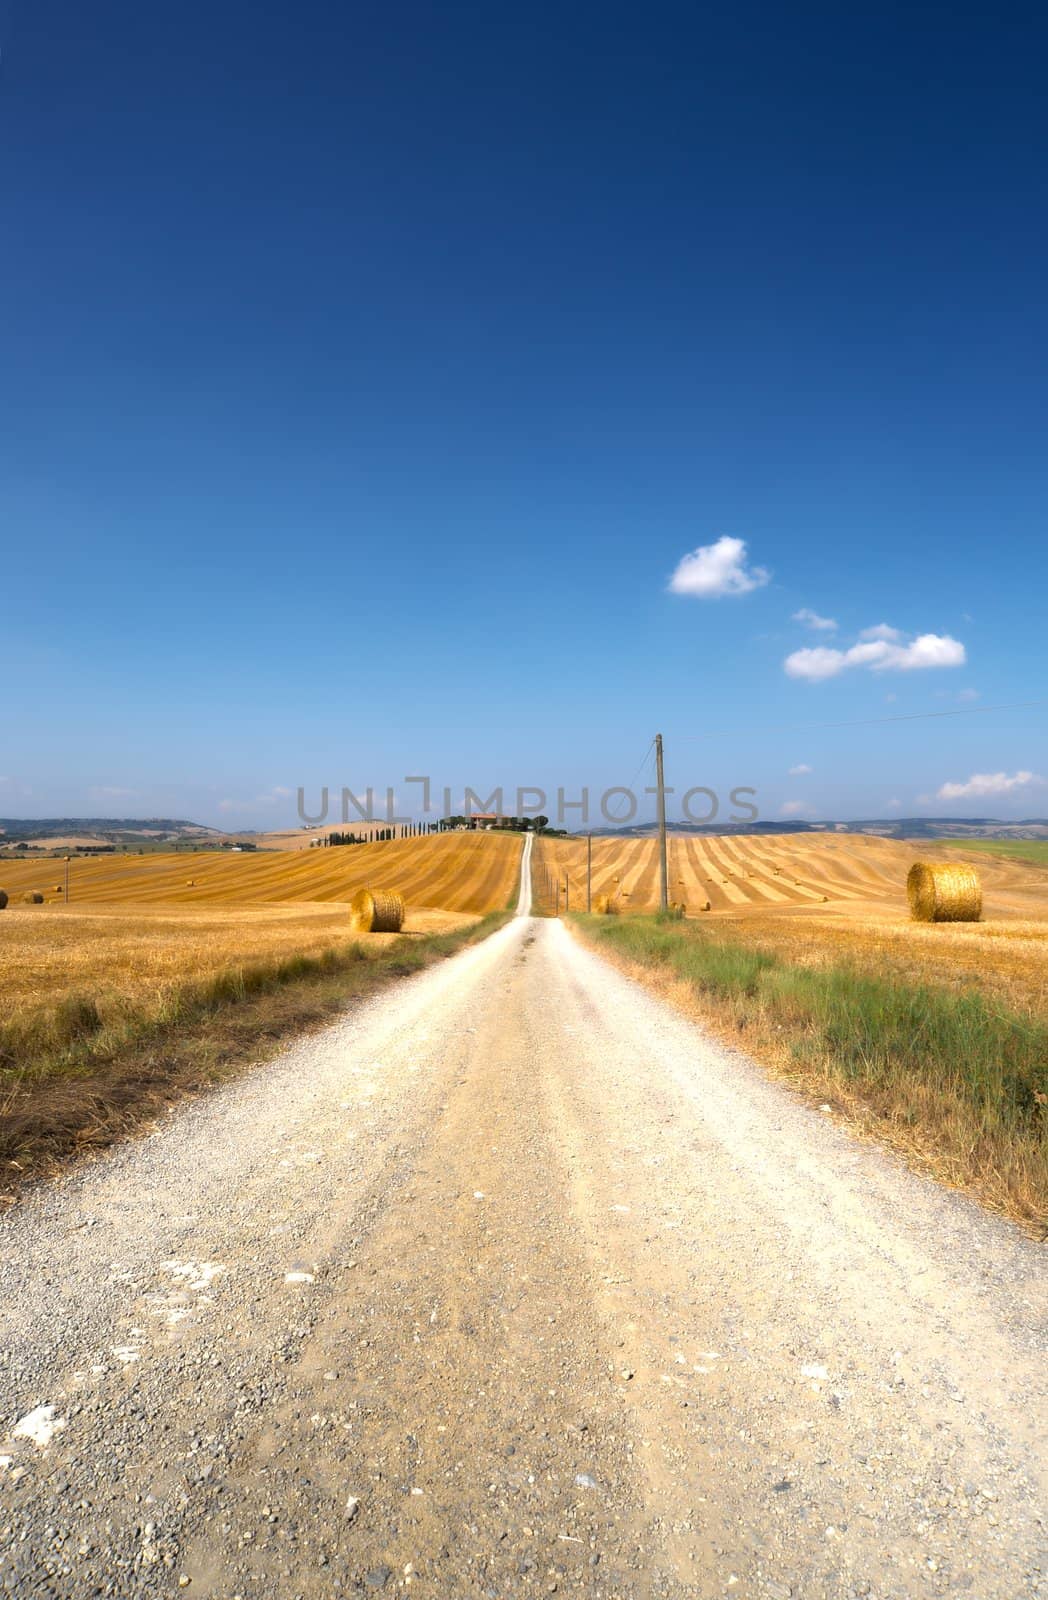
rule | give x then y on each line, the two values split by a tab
793	808
110	791
894	803
715	570
811	619
986	783
271	797
881	630
968	694
877	654
799	770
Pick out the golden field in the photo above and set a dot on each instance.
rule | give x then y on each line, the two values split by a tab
820	898
471	872
138	927
854	874
141	954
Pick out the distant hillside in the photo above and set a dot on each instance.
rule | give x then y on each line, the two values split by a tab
884	828
96	832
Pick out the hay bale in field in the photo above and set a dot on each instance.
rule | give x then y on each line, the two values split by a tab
377	911
942	891
190	883
707	906
677	910
58	888
32	897
604	905
3	899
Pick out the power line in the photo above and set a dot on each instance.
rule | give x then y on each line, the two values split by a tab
865	722
645	758
643	763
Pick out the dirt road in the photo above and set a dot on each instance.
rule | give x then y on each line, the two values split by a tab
512	1283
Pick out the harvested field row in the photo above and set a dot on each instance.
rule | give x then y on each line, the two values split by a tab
850	874
473	873
139	927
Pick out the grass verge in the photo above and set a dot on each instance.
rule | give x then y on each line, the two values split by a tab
955	1080
1035	850
76	1078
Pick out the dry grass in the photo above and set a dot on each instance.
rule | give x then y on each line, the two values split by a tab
121	957
1006	960
137	928
931	1035
955	1080
84	1073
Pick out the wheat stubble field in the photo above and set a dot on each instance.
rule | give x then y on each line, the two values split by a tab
164	972
137	925
823	897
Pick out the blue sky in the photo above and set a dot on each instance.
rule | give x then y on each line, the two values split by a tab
366	375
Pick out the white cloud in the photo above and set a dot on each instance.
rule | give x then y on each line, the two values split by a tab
894	803
793	808
799	770
877	654
984	783
968	694
271	797
811	619
107	791
714	570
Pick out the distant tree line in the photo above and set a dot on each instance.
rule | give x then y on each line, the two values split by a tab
414	830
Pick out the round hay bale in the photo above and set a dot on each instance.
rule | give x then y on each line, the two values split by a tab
190	883
377	911
604	905
677	910
707	906
942	891
3	899
32	897
58	888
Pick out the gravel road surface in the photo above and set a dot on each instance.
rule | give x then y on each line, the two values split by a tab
515	1283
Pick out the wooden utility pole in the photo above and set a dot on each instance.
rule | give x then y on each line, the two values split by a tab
567	894
660	780
589	873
